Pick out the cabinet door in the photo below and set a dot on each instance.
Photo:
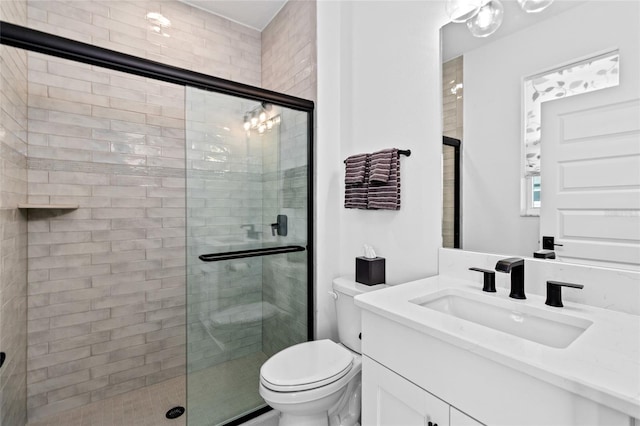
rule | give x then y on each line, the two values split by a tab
390	400
458	418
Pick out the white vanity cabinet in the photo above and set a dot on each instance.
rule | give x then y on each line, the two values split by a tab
389	399
412	378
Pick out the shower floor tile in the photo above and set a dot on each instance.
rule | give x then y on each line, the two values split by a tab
221	392
141	407
215	394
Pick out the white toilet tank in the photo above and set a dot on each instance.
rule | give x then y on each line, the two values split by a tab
348	314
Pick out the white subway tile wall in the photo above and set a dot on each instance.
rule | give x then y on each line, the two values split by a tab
191	39
289	51
13	223
224	192
289	66
284	281
107	281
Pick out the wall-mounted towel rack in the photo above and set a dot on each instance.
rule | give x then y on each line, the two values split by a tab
405	152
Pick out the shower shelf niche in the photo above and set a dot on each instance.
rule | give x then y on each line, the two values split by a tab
48	206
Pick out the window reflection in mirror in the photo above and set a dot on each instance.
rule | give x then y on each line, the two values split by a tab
595	73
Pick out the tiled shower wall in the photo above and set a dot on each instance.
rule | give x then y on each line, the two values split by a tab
194	40
285	192
289	62
13	222
223	194
107	281
288	66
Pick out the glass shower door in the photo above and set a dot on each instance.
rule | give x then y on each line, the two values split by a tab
247	258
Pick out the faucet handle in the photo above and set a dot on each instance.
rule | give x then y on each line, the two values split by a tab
488	279
554	292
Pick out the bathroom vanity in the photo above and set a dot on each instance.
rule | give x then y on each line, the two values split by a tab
440	351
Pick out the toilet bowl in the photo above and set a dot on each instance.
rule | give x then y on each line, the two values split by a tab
310	381
318	383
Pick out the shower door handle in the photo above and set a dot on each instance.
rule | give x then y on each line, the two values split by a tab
239	254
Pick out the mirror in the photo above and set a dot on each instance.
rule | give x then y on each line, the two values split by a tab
482	105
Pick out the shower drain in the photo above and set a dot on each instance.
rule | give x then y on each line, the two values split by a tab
175	412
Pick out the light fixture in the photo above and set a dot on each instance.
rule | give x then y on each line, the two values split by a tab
534	6
260	119
484	17
461	10
158	23
487	20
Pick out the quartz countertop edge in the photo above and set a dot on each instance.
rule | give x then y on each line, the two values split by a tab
602	365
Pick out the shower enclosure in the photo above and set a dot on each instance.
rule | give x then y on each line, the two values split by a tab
242	197
247	228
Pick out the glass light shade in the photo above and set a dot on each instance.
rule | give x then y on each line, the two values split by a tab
262	116
461	10
487	20
269	124
261	128
534	6
254	119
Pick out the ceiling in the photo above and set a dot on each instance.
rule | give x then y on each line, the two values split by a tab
253	13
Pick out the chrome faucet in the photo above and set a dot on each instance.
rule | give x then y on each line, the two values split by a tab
515	266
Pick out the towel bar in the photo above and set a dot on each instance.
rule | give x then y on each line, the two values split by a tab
216	257
405	152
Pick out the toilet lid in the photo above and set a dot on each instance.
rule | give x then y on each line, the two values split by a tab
306	366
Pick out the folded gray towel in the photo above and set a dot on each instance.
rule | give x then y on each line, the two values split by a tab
355	169
381	165
356	181
386	196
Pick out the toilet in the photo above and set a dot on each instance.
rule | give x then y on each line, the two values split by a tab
318	383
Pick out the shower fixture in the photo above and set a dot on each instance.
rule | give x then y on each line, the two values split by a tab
260	118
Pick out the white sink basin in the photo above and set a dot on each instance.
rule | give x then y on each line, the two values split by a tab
538	325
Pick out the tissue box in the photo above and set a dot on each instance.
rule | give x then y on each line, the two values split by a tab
370	271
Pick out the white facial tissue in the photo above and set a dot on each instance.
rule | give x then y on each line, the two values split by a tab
369	253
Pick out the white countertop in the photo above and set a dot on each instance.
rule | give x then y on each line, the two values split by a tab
603	364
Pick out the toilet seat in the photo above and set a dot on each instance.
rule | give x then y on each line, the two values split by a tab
305	366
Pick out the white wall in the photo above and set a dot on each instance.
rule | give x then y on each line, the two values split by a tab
492	113
378	87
